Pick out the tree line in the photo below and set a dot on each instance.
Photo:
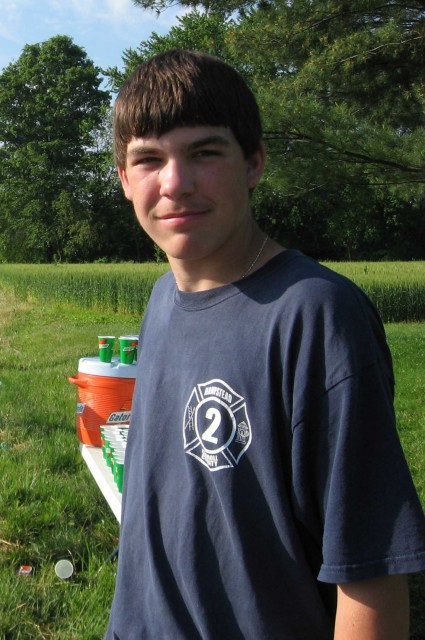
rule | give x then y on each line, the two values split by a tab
341	89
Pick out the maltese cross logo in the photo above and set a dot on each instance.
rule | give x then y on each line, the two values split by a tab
216	427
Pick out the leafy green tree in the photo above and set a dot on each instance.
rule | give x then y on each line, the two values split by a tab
50	108
341	86
342	91
113	225
226	6
201	31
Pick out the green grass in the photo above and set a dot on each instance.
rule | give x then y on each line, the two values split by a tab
397	288
121	288
391	272
50	506
407	343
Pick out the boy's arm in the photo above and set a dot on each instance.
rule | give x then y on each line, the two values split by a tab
375	609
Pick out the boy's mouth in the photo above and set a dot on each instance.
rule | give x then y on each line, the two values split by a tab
182	216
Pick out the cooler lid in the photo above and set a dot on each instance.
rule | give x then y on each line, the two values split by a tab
114	369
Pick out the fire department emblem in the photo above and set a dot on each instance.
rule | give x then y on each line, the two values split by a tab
216	427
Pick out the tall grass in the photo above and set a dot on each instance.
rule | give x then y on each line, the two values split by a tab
123	288
397	289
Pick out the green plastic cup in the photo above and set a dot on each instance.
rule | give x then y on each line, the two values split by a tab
128	347
136	340
119	473
106	347
107	454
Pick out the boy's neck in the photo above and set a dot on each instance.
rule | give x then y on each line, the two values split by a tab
256	249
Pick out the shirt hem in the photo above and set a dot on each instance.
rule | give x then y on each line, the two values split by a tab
375	569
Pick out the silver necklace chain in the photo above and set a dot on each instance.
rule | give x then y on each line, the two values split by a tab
254	262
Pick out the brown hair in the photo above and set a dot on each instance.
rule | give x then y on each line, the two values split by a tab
184	89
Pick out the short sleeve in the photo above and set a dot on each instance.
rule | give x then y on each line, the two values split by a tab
352	487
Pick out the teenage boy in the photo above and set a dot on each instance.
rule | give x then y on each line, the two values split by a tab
266	494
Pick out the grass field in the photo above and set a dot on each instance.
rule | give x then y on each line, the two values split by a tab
397	288
50	507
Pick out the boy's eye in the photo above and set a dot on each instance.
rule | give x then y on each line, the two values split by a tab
206	153
147	160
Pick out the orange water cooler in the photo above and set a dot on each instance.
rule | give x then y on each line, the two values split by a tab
105	394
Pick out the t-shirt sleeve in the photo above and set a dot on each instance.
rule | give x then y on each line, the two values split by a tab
353	491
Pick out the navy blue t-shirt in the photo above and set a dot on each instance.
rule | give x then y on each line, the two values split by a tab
263	463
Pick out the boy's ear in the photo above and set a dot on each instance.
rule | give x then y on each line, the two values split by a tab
125	184
255	166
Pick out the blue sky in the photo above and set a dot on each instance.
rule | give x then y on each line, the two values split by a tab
104	28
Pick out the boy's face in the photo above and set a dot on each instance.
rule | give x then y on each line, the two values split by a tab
190	190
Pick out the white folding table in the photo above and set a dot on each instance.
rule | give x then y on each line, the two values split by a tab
95	461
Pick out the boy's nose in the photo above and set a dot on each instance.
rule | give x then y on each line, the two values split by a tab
176	179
